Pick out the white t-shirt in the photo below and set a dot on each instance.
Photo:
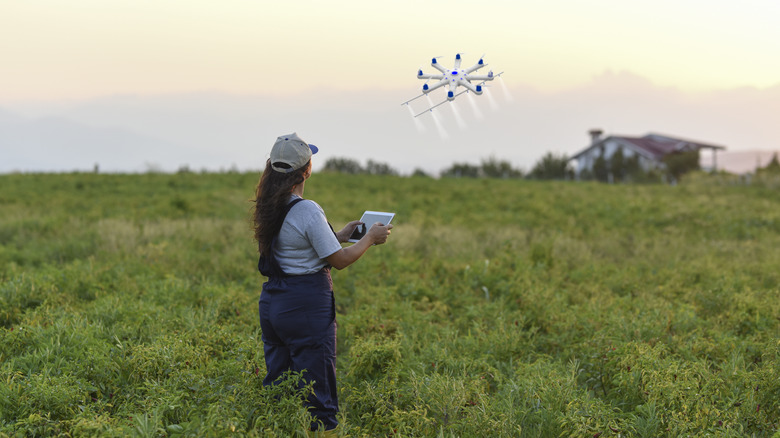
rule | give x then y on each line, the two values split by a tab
305	239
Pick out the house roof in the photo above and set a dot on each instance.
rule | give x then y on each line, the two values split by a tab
654	145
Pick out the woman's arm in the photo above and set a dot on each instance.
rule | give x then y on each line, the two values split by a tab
344	257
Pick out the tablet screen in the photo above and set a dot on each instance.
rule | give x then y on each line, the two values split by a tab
370	218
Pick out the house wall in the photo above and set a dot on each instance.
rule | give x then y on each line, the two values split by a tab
610	146
586	160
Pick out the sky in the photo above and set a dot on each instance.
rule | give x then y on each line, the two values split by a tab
324	69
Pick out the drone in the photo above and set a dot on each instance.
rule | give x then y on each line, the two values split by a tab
453	79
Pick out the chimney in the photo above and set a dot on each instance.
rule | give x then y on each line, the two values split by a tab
595	135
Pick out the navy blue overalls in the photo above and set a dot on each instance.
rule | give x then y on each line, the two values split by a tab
298	320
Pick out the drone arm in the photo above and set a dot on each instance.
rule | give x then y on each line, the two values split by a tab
476	90
422	76
481	77
453	88
436	65
474	67
427	89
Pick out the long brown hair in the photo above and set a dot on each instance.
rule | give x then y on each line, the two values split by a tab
271	197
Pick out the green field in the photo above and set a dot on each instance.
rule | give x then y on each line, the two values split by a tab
128	306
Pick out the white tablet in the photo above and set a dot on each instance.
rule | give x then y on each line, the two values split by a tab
370	218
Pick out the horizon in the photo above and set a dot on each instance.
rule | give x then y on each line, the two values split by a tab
183	130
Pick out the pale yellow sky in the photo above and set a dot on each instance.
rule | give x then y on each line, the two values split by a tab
52	49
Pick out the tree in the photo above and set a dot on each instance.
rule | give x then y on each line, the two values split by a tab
494	168
600	170
773	166
617	165
343	165
463	170
632	169
420	173
680	163
374	168
552	166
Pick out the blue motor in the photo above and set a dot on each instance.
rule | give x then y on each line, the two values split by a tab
433	61
479	88
481	61
457	56
450	95
419	72
425	87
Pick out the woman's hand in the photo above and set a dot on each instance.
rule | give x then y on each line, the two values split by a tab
344	257
378	233
347	231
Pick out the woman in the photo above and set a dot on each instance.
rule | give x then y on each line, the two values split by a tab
297	249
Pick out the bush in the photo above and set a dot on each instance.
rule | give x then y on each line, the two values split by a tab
552	166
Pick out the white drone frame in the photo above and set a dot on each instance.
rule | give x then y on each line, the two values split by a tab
453	78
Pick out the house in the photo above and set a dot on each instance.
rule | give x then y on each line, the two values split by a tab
646	153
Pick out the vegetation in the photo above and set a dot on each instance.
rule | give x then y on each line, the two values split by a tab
353	167
552	166
680	163
773	167
461	170
420	173
488	168
499	307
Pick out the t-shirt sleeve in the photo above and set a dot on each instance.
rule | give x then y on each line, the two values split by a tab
320	234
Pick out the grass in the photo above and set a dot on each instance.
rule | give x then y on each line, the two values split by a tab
128	306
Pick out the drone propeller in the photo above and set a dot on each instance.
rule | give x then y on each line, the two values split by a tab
417	97
458	60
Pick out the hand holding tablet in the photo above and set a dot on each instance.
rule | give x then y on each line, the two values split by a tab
370	218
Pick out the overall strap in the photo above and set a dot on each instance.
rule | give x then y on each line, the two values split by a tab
290	206
267	265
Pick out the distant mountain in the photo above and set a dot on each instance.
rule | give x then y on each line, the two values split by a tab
739	162
58	144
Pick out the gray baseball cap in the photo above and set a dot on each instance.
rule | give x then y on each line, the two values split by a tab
290	150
